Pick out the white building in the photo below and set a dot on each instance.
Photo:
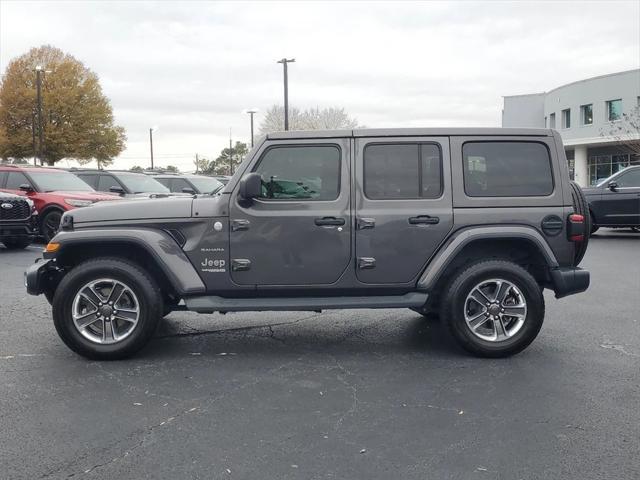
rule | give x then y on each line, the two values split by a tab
583	112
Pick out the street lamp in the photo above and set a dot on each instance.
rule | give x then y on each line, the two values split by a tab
284	63
39	72
251	112
151	130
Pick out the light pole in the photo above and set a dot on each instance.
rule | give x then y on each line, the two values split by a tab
251	112
284	63
151	130
39	72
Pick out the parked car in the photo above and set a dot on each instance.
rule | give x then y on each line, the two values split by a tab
177	183
470	223
18	221
52	190
615	201
123	183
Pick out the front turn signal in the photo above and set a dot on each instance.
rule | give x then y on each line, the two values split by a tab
52	247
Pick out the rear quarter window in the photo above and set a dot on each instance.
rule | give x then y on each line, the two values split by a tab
507	169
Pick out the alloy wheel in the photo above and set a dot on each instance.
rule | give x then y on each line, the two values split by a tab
105	311
495	310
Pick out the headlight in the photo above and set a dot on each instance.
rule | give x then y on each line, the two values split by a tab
77	203
32	206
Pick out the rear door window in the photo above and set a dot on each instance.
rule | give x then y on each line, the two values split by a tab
106	182
178	184
506	169
402	171
89	178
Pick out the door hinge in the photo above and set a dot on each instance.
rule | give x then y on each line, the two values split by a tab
364	223
365	263
239	224
240	264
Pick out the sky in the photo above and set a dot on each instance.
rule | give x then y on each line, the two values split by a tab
192	67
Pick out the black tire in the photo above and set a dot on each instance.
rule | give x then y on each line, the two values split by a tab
581	207
137	279
49	224
16	243
453	307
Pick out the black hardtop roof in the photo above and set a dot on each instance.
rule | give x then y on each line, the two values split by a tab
411	132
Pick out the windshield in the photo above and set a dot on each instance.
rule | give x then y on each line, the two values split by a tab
206	184
139	183
49	181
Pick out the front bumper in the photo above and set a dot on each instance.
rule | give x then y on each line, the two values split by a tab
21	228
569	280
39	275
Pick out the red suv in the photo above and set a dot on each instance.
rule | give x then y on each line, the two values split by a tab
53	191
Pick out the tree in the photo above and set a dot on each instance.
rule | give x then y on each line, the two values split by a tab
77	119
311	119
200	163
137	169
227	161
172	169
625	131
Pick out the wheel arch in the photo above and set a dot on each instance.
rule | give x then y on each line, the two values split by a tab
153	250
523	245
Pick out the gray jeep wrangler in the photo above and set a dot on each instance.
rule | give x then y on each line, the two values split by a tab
471	224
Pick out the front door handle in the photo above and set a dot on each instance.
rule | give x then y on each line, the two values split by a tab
424	220
329	221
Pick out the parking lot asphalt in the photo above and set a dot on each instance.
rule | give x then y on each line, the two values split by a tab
364	394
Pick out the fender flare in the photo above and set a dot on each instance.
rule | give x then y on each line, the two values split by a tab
167	254
441	260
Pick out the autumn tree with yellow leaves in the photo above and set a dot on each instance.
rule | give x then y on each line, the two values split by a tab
77	119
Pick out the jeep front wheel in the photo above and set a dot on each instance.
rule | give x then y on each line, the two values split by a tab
494	308
107	309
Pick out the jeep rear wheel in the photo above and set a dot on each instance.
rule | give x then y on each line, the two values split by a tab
494	308
106	309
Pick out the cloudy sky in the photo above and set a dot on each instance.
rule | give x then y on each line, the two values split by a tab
192	67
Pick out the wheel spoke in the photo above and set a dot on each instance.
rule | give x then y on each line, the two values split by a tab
108	334
126	318
86	320
477	321
514	311
501	291
478	296
116	292
91	296
501	332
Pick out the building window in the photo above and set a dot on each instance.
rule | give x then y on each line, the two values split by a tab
614	110
552	120
587	114
566	118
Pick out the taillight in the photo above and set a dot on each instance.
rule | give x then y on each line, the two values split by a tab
575	227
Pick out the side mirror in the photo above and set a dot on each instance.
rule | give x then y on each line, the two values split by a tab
613	185
188	190
118	190
25	187
250	186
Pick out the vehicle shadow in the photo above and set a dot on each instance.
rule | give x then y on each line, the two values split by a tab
410	334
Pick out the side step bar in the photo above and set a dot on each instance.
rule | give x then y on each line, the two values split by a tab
210	304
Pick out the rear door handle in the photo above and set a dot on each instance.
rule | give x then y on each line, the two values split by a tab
329	221
423	220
